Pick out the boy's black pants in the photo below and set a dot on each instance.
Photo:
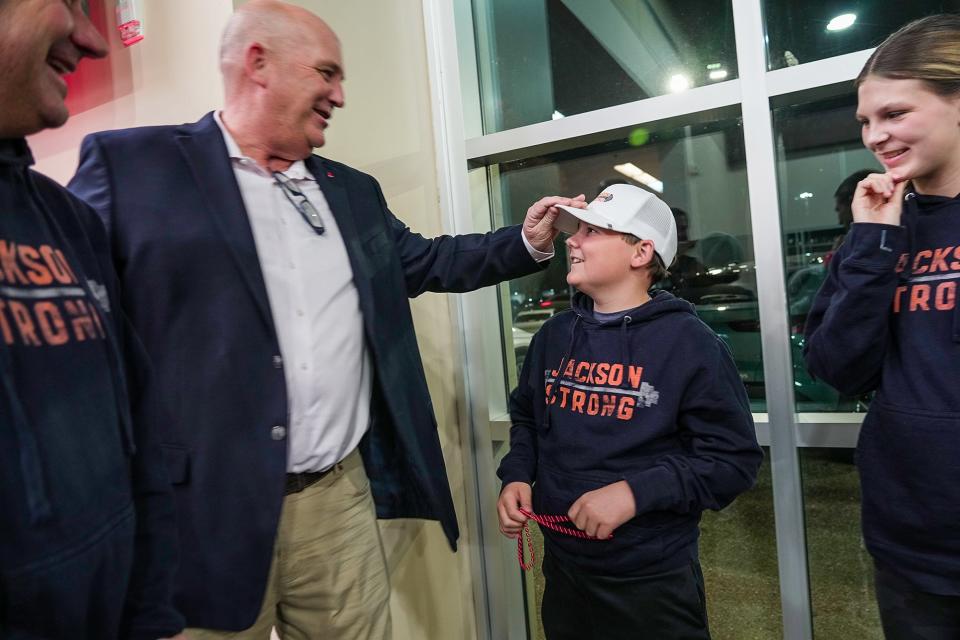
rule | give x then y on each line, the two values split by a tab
909	614
663	606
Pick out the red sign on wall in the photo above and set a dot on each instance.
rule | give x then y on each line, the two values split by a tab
96	82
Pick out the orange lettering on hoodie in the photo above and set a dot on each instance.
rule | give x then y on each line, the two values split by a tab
946	296
616	375
52	326
920	297
635	374
37	272
28	331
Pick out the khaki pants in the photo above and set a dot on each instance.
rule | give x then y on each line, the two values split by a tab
328	579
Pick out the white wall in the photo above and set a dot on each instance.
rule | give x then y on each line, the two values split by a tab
386	130
170	76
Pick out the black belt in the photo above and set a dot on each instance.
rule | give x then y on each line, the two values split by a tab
297	482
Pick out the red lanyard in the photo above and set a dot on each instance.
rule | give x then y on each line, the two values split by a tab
560	524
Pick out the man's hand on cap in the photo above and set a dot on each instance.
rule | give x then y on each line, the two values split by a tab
538	223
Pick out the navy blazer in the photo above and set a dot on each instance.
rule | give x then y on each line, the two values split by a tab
192	285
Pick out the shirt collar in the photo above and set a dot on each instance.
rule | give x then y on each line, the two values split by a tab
297	171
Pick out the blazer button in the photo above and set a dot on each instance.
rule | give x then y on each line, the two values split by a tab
279	432
277	362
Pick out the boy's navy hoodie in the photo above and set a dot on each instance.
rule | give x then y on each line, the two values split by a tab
652	398
87	531
887	319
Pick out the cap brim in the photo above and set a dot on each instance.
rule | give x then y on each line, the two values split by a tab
569	219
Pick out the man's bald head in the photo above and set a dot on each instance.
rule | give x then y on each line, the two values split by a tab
282	74
271	23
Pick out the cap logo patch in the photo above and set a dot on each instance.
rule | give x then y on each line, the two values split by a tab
605	197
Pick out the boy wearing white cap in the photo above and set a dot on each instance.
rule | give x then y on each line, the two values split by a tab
629	420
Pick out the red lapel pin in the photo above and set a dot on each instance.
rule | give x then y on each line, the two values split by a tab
329	174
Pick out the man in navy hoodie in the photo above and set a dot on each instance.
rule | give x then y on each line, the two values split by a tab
87	541
629	420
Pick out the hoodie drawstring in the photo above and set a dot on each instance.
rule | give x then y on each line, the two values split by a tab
624	351
120	392
956	321
39	506
556	381
911	215
31	469
28	451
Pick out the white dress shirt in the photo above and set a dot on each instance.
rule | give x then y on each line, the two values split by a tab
316	313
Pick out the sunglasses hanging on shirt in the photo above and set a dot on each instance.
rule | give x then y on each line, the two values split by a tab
300	202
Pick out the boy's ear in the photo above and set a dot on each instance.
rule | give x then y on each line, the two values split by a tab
642	254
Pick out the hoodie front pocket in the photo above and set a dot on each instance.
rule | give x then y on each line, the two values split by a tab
632	545
910	477
79	593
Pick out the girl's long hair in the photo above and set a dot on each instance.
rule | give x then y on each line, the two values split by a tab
927	49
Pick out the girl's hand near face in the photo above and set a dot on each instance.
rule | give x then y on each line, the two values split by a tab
879	199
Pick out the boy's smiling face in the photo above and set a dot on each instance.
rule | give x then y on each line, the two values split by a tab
602	263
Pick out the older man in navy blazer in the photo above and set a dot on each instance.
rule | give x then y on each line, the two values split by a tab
270	287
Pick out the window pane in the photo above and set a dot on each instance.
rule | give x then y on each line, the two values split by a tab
553	58
701	167
738	551
799	32
841	570
819	159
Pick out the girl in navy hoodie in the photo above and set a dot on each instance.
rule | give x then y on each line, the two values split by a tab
629	419
887	319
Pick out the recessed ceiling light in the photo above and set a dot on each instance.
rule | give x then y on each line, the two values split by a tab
841	22
637	174
678	83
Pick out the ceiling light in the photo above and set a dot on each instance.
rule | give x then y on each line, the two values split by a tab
718	74
842	22
678	83
637	174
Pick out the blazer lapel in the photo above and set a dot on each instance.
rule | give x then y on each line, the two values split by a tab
205	153
335	192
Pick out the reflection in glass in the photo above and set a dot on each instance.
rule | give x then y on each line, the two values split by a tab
820	157
555	58
799	32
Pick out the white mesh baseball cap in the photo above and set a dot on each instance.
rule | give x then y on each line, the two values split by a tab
627	209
